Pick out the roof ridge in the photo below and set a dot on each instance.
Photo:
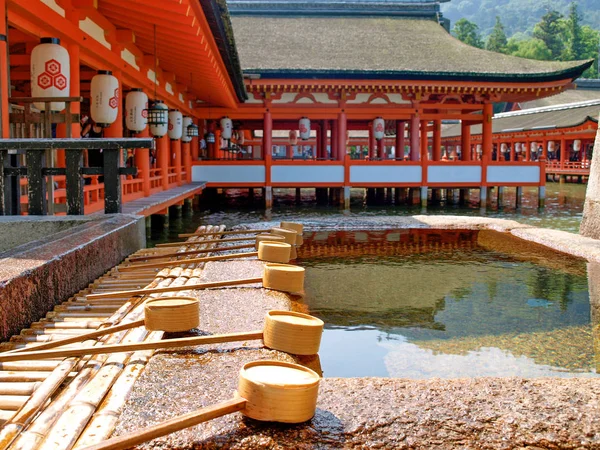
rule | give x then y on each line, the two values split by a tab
540	109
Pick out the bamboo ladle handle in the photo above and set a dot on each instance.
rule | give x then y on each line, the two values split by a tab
203	242
134	347
187	287
170	426
79	338
190	252
156	265
186	235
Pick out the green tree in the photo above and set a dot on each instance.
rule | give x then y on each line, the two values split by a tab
468	32
529	48
550	30
591	43
497	40
574	48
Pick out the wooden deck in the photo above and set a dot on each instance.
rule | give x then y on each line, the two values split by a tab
157	202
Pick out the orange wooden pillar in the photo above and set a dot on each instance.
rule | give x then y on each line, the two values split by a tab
176	152
186	155
162	159
335	140
342	126
268	156
415	138
372	142
400	143
4	71
437	140
424	141
487	134
465	141
323	139
563	152
142	162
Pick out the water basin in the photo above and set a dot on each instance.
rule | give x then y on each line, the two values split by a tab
431	303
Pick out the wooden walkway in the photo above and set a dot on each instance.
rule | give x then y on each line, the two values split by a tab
61	404
157	202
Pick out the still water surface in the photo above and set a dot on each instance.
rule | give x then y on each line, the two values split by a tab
459	313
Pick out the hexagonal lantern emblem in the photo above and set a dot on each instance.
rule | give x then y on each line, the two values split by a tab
60	81
113	103
44	80
170	126
53	67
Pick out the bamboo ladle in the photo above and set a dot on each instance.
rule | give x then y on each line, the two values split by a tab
279	277
209	241
270	237
291	225
272	391
286	331
275	252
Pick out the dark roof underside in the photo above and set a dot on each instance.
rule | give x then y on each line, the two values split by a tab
547	120
377	48
218	19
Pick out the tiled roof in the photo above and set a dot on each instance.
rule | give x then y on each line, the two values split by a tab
377	48
561	116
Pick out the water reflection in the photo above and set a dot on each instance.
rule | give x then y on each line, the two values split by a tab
448	314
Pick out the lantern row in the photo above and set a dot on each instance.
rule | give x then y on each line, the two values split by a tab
51	77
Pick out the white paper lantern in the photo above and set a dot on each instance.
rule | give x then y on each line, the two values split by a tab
105	100
533	146
479	148
175	131
576	145
551	146
136	114
293	137
50	72
503	147
304	128
226	128
187	121
379	128
158	126
518	147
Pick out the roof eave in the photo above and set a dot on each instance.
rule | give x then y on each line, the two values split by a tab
570	73
220	24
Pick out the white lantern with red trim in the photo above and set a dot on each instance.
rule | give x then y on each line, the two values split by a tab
304	128
136	110
518	147
187	121
175	124
226	128
104	106
551	146
503	147
50	72
379	128
293	137
533	146
576	145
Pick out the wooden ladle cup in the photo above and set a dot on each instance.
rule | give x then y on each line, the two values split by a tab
276	252
286	331
279	277
272	391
